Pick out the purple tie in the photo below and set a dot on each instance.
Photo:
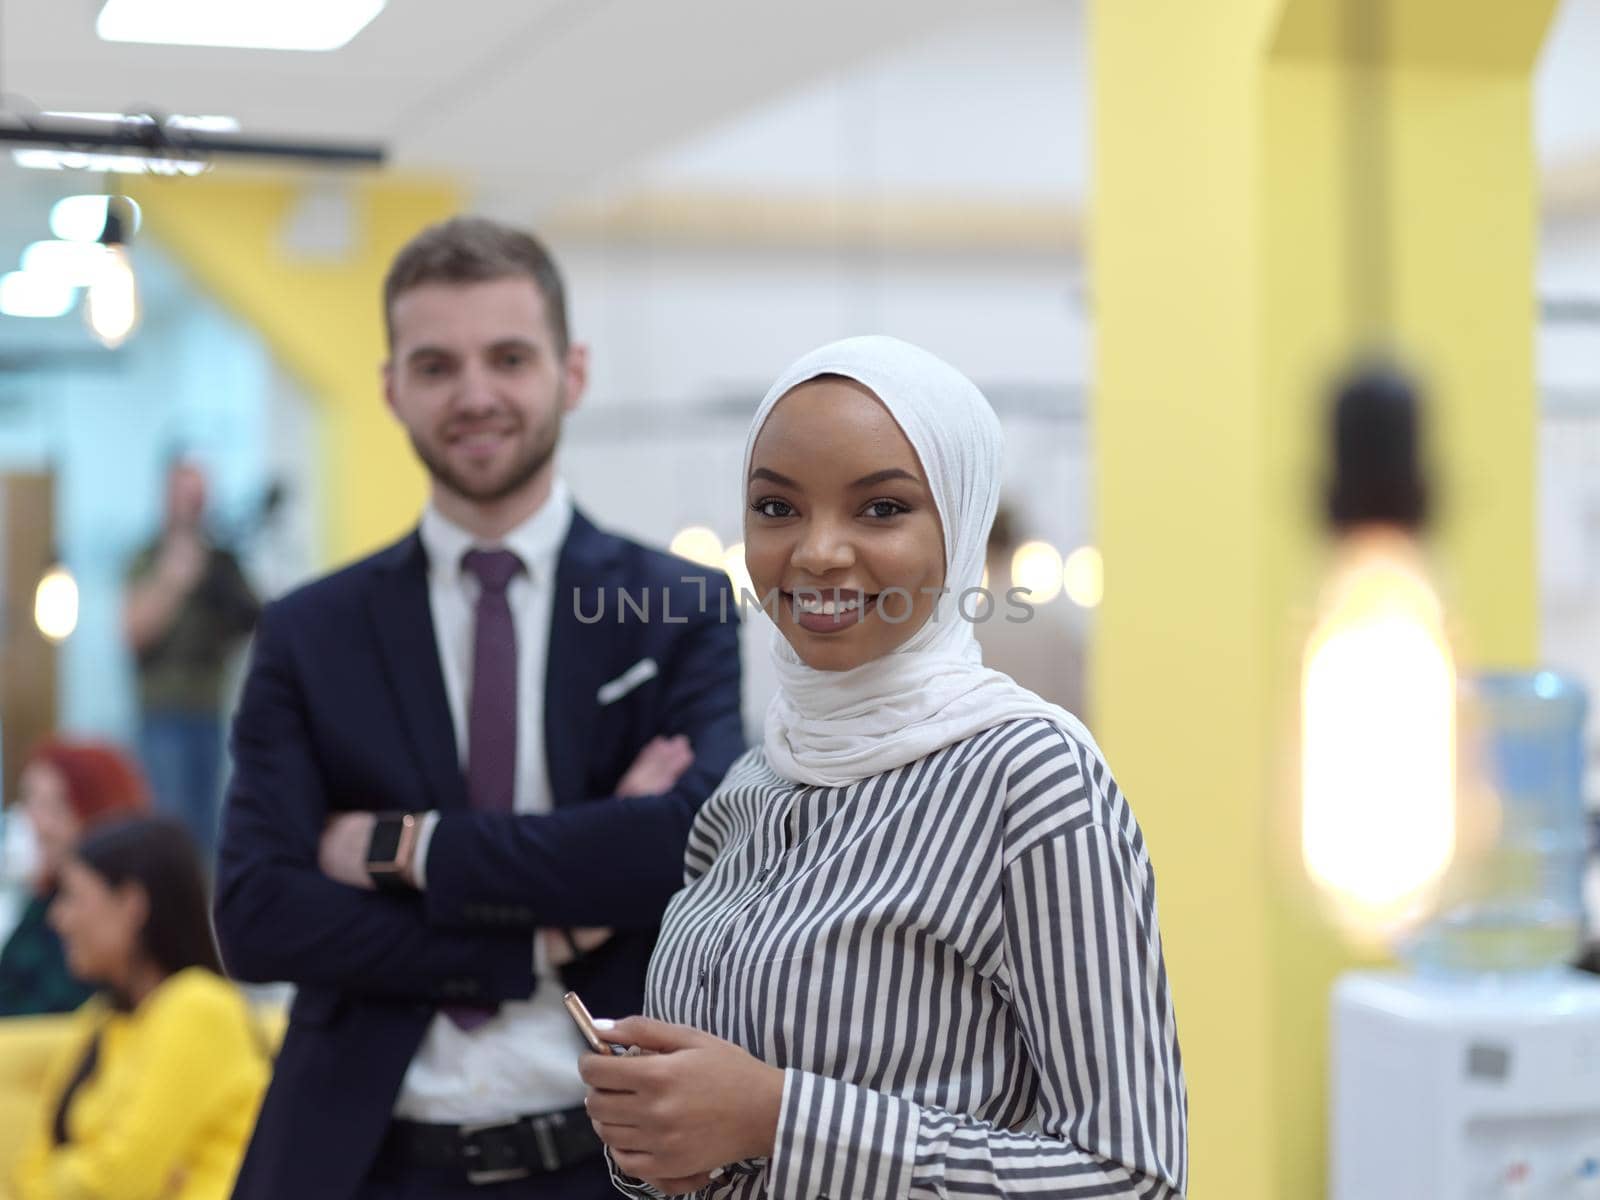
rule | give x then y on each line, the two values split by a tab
491	711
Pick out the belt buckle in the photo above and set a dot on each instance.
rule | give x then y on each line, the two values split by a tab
549	1155
472	1150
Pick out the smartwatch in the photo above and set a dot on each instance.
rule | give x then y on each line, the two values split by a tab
394	839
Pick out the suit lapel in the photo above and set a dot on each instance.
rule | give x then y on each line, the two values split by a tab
580	654
403	620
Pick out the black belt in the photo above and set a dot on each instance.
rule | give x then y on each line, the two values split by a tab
496	1151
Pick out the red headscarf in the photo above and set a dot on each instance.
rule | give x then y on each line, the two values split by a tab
102	781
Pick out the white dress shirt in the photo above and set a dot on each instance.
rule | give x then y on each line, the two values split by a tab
524	1060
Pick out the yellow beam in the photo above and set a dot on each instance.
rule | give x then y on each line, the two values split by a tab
904	223
1472	35
1253	226
322	319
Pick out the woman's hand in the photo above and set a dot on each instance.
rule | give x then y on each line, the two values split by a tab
692	1103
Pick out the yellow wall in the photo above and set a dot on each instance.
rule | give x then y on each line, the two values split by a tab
1230	277
322	319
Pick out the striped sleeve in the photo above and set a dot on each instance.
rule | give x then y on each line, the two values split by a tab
627	1184
711	827
1088	988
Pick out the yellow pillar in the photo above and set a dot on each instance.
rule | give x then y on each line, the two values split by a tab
321	317
1254	222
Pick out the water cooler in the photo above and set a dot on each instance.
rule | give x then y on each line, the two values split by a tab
1475	1072
1465	1089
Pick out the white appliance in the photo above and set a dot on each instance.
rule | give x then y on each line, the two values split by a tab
1465	1089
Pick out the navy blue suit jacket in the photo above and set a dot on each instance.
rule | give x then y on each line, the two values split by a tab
344	708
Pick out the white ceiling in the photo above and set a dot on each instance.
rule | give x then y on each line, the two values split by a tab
538	102
543	94
542	99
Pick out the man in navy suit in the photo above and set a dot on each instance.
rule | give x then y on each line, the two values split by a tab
464	774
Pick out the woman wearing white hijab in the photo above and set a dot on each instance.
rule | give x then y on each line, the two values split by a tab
918	953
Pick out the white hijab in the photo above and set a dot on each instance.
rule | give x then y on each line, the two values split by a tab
832	728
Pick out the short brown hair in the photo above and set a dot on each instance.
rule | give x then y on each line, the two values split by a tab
476	250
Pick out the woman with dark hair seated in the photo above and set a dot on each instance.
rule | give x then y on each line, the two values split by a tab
158	1092
66	789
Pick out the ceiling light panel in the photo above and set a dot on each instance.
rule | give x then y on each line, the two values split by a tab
251	24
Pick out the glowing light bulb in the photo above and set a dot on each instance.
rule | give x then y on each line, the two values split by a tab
1378	744
1083	577
55	604
698	544
27	294
1036	566
733	564
111	307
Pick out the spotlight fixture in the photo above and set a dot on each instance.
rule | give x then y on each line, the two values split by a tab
251	24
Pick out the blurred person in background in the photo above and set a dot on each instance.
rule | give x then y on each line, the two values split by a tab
154	1097
1044	652
66	789
186	608
457	790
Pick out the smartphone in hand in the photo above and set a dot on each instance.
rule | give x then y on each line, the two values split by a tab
585	1023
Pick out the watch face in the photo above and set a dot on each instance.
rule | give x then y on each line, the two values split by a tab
385	842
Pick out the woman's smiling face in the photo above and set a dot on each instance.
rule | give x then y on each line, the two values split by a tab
841	524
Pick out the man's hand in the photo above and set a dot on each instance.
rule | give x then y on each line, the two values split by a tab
660	765
342	853
690	1104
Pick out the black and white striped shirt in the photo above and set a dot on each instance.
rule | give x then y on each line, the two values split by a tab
956	962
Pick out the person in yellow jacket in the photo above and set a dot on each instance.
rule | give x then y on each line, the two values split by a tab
157	1093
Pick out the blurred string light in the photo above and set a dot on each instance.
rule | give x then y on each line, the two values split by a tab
89	252
1036	566
733	564
23	294
699	545
55	603
253	24
111	307
76	264
1083	577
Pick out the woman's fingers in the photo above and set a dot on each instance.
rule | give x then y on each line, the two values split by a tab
622	1109
623	1139
660	1036
637	1164
617	1072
